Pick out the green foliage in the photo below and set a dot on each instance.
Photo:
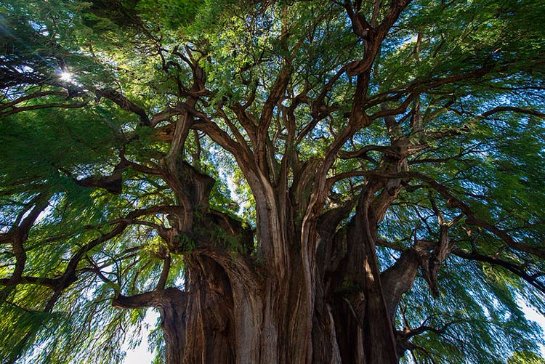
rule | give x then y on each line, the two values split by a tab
494	164
525	357
481	321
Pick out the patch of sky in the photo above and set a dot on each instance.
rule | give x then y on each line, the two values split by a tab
142	354
533	315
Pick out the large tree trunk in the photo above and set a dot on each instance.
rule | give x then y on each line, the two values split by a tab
310	293
240	310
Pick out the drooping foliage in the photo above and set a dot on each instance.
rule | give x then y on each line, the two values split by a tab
138	136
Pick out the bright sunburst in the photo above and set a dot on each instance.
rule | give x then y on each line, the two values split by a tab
66	76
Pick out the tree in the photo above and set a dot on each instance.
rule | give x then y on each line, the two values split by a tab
285	181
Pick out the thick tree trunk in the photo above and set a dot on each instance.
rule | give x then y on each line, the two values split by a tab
237	310
311	292
173	324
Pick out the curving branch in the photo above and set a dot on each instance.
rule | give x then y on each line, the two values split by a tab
518	110
158	298
18	234
516	268
126	104
52	105
472	219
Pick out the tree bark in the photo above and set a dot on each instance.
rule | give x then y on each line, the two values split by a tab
241	310
311	293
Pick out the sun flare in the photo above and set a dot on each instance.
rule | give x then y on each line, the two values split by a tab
66	76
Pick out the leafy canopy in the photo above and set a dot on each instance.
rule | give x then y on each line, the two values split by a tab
89	97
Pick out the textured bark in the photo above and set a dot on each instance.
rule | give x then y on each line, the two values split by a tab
241	310
312	293
399	278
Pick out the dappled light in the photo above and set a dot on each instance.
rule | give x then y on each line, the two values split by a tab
236	181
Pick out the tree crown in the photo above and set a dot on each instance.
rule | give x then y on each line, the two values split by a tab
125	121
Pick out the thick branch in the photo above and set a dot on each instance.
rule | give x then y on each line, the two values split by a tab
466	209
518	269
157	298
125	104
